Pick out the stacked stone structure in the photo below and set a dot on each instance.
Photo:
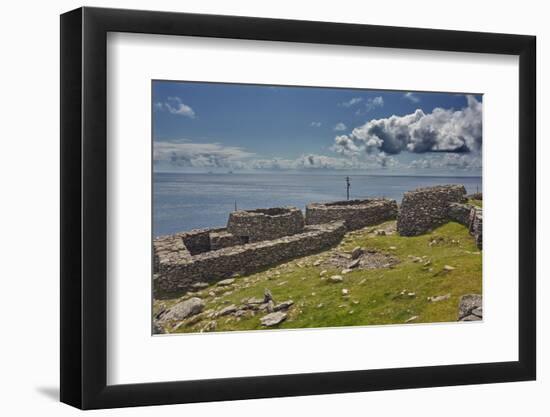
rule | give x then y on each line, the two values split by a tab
177	270
471	217
476	225
355	213
264	224
426	208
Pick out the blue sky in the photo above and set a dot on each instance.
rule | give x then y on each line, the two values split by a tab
202	127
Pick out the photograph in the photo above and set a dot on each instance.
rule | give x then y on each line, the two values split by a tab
304	207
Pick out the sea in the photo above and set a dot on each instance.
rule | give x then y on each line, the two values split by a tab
183	201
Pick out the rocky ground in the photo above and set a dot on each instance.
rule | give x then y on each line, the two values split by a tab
373	277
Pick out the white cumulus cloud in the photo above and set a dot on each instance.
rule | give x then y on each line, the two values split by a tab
442	130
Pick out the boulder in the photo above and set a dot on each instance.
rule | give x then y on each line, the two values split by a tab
285	305
467	304
184	309
226	282
272	319
227	310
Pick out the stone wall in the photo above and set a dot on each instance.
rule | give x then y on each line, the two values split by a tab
355	213
476	225
471	217
181	273
460	213
224	239
426	208
265	224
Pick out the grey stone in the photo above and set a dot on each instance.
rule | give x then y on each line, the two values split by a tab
336	278
184	309
267	295
478	312
157	328
438	298
471	317
467	304
273	319
227	310
226	282
199	285
357	252
285	305
354	264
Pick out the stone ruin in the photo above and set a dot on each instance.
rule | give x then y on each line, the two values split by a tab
426	208
355	213
260	238
253	239
264	224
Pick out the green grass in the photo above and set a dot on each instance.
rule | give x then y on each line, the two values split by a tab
375	296
478	203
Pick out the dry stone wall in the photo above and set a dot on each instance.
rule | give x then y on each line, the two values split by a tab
355	213
471	217
264	224
476	225
425	208
181	273
224	239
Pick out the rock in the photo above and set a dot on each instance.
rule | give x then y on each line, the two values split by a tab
345	291
157	328
357	252
410	319
267	306
448	268
478	312
227	310
392	248
240	313
255	300
184	309
336	278
273	319
438	298
267	295
411	294
381	233
199	285
471	317
320	305
317	262
226	282
346	271
209	327
285	305
354	264
467	304
323	272
212	294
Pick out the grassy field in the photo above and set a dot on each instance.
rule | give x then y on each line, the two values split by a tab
443	262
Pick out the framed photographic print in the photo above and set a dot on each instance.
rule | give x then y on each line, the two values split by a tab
259	207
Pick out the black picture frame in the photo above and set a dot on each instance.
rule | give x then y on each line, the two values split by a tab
84	207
